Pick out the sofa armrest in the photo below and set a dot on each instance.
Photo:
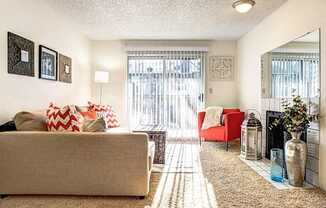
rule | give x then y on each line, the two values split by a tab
201	116
233	123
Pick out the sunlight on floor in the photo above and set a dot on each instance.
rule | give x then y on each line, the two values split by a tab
183	135
182	183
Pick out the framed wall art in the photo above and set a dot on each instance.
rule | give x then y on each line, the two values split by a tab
48	63
20	55
65	70
221	68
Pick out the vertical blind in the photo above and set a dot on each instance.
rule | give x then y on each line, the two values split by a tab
165	88
295	73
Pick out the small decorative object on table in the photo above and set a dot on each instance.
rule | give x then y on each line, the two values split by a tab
295	120
251	138
277	165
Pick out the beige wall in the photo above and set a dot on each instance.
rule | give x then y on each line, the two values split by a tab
32	20
111	56
293	19
224	93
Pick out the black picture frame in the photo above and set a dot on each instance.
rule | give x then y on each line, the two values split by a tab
20	55
48	63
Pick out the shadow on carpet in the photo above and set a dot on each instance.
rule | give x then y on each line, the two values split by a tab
82	201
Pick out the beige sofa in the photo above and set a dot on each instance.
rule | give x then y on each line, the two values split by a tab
75	163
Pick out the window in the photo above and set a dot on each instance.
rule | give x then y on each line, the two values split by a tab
295	74
165	88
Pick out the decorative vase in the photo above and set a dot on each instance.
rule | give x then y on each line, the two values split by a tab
277	165
295	158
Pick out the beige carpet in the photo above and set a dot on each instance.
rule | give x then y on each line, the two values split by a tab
237	185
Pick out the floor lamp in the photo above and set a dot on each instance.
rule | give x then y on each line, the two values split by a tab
101	77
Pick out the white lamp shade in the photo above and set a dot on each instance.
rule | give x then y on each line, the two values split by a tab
101	77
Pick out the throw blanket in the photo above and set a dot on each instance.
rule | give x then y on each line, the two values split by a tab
212	117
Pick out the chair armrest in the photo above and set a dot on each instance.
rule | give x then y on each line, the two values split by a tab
201	116
233	123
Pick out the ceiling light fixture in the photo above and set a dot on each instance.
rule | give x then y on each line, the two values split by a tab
243	6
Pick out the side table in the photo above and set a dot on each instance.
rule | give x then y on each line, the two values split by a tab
157	134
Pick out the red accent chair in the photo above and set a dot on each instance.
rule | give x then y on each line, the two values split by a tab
231	129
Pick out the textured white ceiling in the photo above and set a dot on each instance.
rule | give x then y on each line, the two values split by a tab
162	19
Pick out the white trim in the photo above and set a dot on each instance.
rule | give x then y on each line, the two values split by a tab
199	49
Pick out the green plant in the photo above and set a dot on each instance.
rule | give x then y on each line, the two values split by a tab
295	117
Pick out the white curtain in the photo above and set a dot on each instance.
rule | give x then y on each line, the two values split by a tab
165	88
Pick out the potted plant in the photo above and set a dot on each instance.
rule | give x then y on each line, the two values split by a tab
295	120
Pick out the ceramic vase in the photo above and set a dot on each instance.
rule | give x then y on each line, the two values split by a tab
295	158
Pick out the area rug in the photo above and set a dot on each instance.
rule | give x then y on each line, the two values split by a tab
82	201
180	158
237	185
182	183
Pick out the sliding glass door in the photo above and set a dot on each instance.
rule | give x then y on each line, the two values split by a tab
166	88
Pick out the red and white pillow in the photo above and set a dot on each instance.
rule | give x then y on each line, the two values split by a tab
106	112
66	119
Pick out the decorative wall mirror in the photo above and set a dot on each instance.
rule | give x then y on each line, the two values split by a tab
292	69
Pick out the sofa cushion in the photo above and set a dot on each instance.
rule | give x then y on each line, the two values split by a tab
81	108
106	112
230	110
89	115
97	125
212	117
27	121
66	119
8	126
216	133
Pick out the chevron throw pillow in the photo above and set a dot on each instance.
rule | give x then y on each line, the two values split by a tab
66	119
106	112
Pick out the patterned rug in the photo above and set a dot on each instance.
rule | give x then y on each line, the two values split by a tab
237	185
182	182
180	158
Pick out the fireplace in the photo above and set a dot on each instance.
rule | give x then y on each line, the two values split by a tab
276	136
270	108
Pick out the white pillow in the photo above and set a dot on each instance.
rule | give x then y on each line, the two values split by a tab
212	117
